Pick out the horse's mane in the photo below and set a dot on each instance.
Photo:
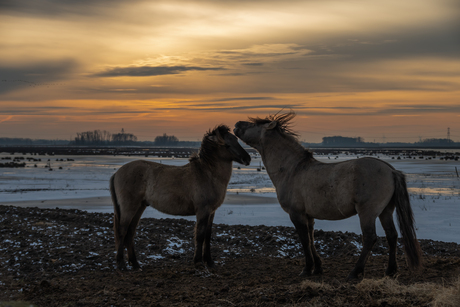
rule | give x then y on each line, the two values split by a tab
283	122
284	126
207	145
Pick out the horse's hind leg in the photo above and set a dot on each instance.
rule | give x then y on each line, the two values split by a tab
124	234
129	238
207	242
386	218
369	239
120	245
302	227
316	258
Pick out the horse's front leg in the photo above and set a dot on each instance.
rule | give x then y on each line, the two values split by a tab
301	225
318	263
200	234
207	242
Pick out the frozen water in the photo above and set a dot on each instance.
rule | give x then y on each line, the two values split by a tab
433	185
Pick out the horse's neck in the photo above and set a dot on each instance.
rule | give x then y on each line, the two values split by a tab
217	171
280	156
222	171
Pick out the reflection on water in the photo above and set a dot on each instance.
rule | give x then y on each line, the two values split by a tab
257	190
439	191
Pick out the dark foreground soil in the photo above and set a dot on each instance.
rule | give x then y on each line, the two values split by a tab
54	257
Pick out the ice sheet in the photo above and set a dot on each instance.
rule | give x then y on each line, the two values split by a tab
433	185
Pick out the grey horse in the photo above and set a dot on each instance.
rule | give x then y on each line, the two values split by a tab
197	188
308	189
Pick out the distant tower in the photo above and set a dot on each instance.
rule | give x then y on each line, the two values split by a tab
448	134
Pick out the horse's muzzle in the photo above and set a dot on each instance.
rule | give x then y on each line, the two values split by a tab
246	160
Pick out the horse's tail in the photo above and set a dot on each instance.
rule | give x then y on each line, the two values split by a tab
406	221
116	210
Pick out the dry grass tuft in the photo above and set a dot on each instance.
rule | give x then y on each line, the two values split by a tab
382	292
449	296
315	286
435	295
392	286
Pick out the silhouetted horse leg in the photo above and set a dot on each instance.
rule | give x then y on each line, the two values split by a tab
386	218
129	238
200	234
369	239
300	223
207	242
316	258
122	230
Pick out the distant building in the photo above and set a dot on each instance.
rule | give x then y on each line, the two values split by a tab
335	141
436	142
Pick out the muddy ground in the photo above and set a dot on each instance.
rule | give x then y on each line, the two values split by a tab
55	257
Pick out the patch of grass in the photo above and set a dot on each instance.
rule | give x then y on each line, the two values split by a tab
316	286
394	293
385	291
448	296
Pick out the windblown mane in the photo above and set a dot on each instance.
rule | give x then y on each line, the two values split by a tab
284	126
284	122
207	146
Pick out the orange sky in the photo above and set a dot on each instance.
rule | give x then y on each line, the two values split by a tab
385	71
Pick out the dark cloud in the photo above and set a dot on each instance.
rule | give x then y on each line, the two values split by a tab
243	98
246	54
253	64
33	75
227	107
43	110
408	110
57	7
440	40
146	71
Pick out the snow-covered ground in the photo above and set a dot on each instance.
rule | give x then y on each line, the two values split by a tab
433	185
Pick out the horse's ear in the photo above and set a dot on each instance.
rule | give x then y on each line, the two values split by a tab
217	138
271	125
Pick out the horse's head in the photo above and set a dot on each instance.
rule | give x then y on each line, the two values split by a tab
256	130
252	133
228	145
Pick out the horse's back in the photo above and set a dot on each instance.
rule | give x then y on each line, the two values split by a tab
335	191
372	186
158	185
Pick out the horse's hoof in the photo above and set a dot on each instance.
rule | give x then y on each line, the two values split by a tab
210	264
391	273
318	271
137	268
305	273
199	265
352	278
122	267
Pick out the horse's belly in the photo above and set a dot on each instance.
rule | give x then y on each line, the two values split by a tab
174	207
332	212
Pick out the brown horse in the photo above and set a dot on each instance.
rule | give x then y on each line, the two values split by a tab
309	189
197	188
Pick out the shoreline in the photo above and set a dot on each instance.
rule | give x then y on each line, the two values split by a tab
237	209
101	202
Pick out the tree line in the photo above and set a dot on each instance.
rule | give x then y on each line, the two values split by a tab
103	137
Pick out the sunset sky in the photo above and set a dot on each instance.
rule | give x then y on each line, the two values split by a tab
382	70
